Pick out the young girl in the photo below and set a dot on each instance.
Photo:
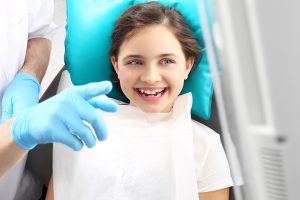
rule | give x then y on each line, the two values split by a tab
154	150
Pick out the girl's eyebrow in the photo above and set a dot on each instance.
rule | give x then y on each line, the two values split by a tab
166	55
140	56
132	56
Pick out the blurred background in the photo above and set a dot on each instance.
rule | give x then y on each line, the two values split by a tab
57	54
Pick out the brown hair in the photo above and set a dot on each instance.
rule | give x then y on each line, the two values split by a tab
144	14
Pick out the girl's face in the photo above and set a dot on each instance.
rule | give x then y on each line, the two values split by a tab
151	67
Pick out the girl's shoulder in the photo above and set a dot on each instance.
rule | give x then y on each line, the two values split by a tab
204	133
211	164
205	140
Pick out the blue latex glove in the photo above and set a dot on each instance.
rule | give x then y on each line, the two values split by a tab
22	93
60	118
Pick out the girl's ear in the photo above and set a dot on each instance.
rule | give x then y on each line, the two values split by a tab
189	65
114	62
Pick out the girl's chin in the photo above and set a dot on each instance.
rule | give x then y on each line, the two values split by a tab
159	108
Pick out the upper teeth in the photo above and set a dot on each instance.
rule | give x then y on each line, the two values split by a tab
151	91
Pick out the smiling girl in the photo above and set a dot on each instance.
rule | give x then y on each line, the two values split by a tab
154	150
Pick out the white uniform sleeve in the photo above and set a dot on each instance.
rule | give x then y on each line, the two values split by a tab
212	167
40	15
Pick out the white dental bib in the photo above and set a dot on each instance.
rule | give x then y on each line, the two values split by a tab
146	156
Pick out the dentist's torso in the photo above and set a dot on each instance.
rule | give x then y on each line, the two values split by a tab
20	20
13	40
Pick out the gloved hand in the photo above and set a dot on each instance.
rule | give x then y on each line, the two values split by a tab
60	118
22	93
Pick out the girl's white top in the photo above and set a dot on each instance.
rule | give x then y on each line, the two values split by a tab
147	156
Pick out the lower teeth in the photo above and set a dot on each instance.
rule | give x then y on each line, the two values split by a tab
152	95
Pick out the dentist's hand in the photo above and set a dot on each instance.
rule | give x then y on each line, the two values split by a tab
59	119
22	93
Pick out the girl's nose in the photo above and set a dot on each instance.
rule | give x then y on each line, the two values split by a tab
151	75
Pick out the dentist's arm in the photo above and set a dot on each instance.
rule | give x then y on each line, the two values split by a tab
37	57
23	91
58	119
10	153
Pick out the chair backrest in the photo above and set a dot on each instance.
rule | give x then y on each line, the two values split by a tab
89	27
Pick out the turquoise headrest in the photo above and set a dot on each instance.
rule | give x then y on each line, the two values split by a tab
89	27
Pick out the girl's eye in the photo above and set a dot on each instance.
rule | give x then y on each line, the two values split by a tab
166	61
134	62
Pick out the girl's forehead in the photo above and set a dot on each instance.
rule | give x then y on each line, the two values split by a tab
153	39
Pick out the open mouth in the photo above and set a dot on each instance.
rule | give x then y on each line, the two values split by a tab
158	92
